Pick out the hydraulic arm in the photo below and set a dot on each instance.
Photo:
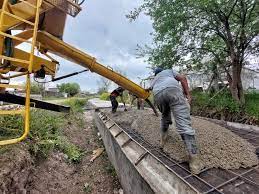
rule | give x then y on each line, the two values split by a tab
64	50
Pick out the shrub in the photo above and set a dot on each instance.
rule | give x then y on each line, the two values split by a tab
45	134
105	96
224	102
76	104
252	104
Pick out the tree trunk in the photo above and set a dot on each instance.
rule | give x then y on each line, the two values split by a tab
236	87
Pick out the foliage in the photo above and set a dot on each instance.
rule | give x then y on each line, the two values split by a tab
76	104
72	151
103	85
126	97
10	126
87	188
45	138
70	88
36	88
209	35
222	104
45	134
221	101
105	96
252	104
110	170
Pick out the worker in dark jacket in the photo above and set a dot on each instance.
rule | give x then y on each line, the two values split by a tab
113	97
170	97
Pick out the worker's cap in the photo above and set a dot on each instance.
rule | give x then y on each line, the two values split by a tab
157	70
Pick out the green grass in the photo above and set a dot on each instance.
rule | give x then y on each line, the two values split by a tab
72	151
110	170
46	132
252	104
87	188
76	104
105	96
224	102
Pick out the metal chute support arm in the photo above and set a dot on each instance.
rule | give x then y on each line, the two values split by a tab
64	50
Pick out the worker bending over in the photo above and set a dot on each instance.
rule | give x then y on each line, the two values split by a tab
113	97
170	97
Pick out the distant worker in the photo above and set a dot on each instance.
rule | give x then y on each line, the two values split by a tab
140	104
113	97
170	97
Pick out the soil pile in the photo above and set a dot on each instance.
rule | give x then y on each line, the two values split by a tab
20	172
16	166
218	146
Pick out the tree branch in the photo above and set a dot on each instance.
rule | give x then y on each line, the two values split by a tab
232	8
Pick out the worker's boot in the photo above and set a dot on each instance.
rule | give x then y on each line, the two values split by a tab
191	146
163	138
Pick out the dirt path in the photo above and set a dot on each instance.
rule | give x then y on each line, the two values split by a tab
57	175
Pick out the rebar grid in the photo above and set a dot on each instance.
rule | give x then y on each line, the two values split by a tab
216	182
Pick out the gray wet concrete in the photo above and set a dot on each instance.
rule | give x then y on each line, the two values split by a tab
219	147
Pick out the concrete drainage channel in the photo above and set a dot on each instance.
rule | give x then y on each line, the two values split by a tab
143	168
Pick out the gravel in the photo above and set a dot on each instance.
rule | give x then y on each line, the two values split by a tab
218	146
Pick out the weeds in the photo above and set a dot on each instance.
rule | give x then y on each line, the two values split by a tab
252	104
87	188
76	104
72	151
46	130
110	170
105	96
224	107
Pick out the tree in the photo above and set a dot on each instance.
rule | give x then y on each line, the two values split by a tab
70	88
103	85
36	88
212	35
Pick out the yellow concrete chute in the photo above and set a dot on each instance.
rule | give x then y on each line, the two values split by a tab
64	50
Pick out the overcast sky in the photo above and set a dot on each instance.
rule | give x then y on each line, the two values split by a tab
102	30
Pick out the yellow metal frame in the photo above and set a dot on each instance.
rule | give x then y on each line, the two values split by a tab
15	75
11	86
37	62
20	14
26	112
12	112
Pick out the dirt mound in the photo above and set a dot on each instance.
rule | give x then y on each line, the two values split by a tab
20	172
57	175
218	146
16	166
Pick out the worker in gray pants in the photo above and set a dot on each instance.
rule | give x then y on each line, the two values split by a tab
170	97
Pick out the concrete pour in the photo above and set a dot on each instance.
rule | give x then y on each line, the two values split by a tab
218	146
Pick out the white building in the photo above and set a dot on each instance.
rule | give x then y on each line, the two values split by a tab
250	79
